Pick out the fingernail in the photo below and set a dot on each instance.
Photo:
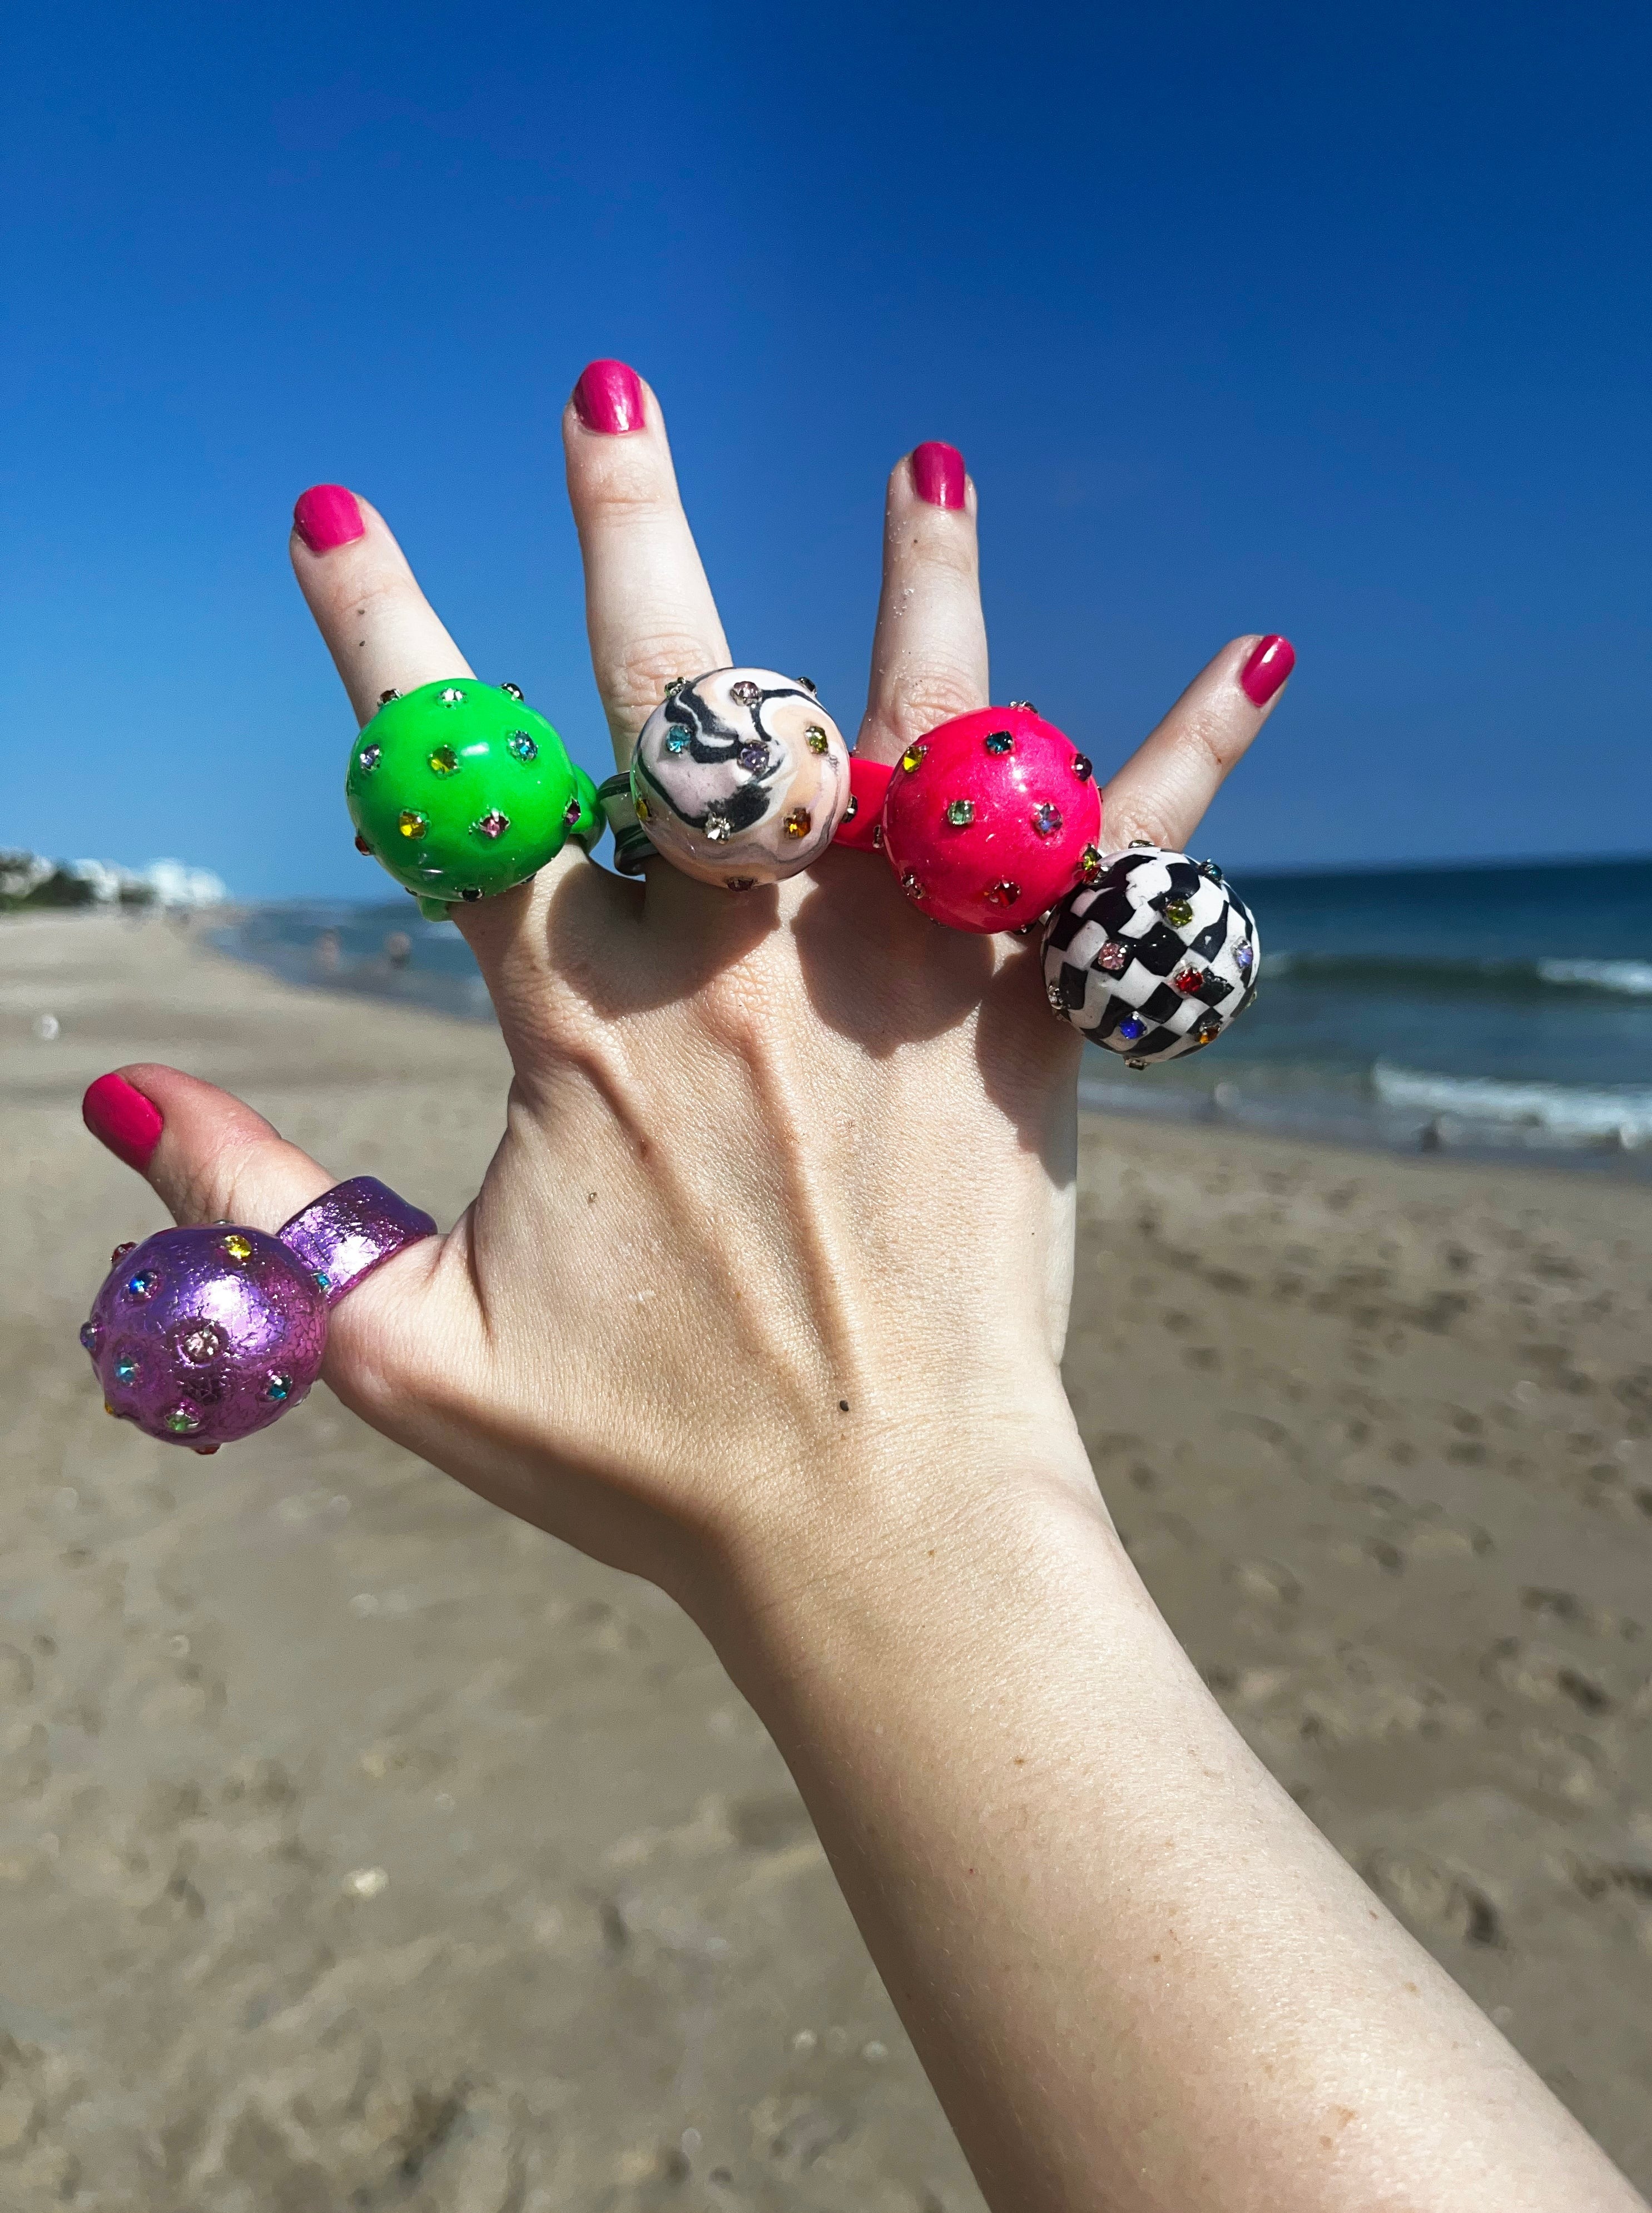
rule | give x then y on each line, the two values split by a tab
938	473
326	515
1267	669
609	397
121	1117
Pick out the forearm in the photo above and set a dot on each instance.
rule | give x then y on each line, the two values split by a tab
1138	1976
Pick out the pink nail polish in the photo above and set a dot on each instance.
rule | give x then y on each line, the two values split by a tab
121	1117
326	515
609	397
1267	668
938	473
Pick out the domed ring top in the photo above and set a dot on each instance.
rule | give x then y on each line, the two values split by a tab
740	777
461	790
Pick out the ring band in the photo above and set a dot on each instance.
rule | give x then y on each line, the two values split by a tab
350	1230
631	844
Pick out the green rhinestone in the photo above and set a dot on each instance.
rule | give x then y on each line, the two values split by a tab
443	761
960	813
1179	913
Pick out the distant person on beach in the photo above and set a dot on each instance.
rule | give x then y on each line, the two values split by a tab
397	948
764	1298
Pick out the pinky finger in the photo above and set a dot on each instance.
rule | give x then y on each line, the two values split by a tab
1162	790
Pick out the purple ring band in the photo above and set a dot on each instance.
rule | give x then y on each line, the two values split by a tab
351	1229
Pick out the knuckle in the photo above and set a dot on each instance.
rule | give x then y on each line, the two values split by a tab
920	703
637	683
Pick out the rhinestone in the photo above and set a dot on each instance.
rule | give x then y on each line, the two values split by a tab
1046	820
452	696
678	741
960	813
745	691
853	808
278	1386
362	845
1209	871
369	756
1188	979
120	1253
1146	844
912	886
125	1368
717	825
323	1281
443	761
471	893
1026	706
1113	959
808	684
411	824
1000	741
877	837
142	1283
1089	865
643	810
514	691
237	1247
818	739
1243	957
384	698
1131	1028
740	883
1002	893
491	824
183	1421
521	747
675	687
1058	1004
913	756
1208	1031
1178	912
89	1334
1083	767
203	1452
798	822
198	1342
571	813
753	758
1137	1064
108	1409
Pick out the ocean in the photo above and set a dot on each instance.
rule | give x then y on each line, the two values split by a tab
1487	1010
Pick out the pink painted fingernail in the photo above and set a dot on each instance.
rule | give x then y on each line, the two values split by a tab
609	397
938	473
1267	669
326	515
121	1117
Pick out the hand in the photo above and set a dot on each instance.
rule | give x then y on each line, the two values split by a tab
786	1179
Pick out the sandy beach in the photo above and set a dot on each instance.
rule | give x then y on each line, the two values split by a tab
361	1849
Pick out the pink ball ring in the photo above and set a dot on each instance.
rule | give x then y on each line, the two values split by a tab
201	1335
987	821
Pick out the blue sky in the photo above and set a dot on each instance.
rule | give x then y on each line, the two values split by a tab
1332	321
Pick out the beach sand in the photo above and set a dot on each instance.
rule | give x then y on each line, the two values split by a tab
361	1849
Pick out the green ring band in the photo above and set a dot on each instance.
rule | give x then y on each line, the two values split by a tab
631	844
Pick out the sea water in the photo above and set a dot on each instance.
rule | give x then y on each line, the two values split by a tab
1494	1009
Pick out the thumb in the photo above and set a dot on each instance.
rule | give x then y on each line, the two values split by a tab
208	1156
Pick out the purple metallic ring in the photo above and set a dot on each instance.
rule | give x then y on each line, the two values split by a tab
204	1335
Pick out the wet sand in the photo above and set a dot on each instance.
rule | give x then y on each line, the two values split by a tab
361	1849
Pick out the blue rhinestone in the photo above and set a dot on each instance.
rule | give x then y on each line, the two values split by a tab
678	741
370	758
278	1386
126	1367
522	746
999	741
142	1283
323	1283
89	1333
1131	1028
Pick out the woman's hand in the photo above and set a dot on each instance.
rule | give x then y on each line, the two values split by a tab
786	1181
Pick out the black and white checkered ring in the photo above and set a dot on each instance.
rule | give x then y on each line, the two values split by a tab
1153	958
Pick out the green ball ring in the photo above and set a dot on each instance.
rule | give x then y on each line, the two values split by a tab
461	791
